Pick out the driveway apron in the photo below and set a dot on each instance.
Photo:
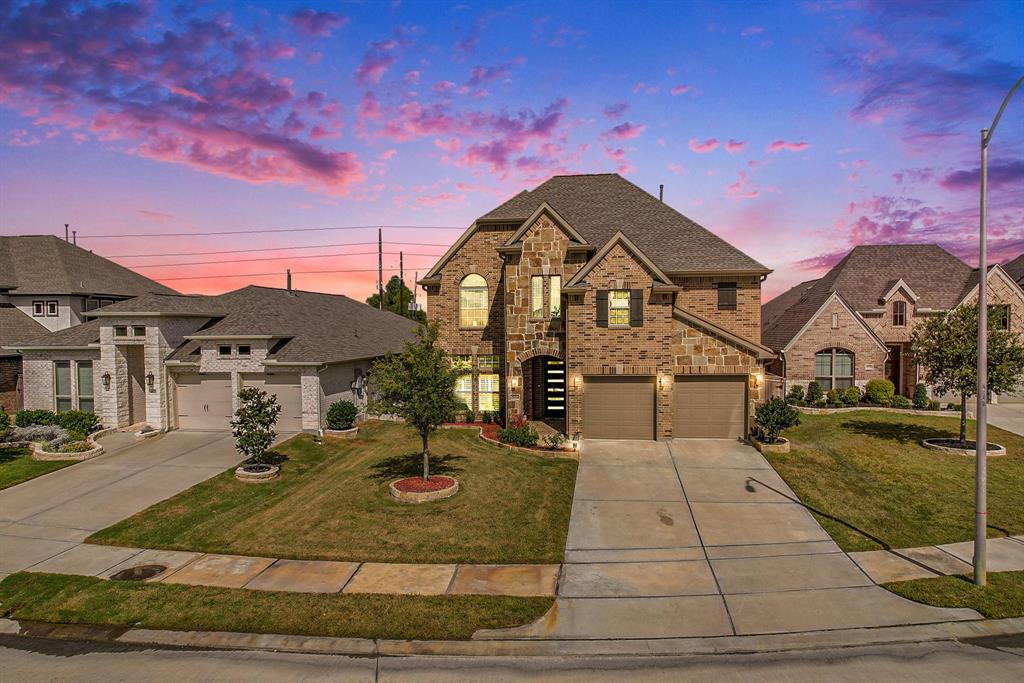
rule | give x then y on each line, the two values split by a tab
46	517
701	537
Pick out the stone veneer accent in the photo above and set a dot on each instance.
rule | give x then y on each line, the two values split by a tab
10	372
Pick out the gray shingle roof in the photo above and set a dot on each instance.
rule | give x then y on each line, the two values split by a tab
86	334
17	327
777	306
190	304
1015	269
46	264
598	206
863	276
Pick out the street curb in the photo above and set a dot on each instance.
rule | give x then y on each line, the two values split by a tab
363	647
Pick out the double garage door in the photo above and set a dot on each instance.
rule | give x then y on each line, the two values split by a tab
703	407
204	401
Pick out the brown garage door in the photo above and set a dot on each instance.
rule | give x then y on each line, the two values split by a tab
709	407
203	401
289	395
618	407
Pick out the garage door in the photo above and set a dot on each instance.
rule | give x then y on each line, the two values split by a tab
618	407
709	407
289	395
204	401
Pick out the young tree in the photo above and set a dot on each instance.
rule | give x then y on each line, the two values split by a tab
947	346
774	416
253	424
418	385
397	298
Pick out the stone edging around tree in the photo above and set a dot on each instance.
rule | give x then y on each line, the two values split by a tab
970	453
423	496
780	446
39	454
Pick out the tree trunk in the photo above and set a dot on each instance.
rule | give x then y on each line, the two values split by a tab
963	417
426	456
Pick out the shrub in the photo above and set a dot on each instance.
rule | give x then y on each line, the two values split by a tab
76	447
774	416
821	403
253	423
851	396
27	418
77	421
796	394
952	406
38	433
519	434
900	402
814	392
554	441
5	424
341	415
934	405
921	396
879	391
834	397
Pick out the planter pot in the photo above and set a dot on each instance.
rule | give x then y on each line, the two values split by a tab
945	445
39	454
415	490
342	433
781	446
257	474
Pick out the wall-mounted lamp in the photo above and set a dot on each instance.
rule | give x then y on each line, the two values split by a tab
758	378
150	380
575	441
513	382
661	382
576	381
106	380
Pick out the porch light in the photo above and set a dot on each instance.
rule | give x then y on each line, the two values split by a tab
576	381
514	382
758	378
106	380
150	380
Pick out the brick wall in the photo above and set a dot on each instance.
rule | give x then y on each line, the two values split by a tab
10	371
700	295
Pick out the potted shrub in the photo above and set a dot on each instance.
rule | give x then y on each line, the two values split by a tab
341	416
773	417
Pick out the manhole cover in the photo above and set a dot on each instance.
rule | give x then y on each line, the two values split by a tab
140	573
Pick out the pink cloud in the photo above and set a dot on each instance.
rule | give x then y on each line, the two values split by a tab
735	146
618	155
624	131
319	24
742	189
443	86
412	77
378	59
709	145
388	154
752	31
369	107
480	74
645	89
615	111
680	89
783	145
678	169
451	145
156	216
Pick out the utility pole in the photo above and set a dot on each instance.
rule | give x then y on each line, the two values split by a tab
380	269
66	233
401	286
981	435
74	237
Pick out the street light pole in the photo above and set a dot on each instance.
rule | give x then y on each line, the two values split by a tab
981	433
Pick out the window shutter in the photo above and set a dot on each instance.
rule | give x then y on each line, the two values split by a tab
636	308
602	308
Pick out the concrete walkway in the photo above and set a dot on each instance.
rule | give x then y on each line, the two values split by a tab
703	538
52	514
1008	416
907	564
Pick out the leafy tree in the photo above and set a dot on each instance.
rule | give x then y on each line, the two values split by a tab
253	424
397	298
774	416
947	346
418	385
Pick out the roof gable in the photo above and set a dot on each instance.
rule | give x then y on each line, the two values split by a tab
834	296
545	208
580	276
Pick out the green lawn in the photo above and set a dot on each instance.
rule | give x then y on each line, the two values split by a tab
332	503
1002	598
871	484
85	600
17	465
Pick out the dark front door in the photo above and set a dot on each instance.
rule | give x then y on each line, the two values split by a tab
894	367
554	388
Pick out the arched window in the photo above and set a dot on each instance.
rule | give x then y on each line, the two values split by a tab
473	301
833	369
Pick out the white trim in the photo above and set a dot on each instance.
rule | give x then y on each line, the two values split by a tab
992	269
896	287
835	296
618	238
562	223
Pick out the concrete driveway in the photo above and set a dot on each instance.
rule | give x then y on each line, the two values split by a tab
49	515
702	538
1008	416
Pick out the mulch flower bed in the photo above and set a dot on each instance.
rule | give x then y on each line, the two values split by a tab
490	429
421	485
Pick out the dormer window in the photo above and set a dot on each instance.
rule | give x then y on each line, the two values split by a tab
899	313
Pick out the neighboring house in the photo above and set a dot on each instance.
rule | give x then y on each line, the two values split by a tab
589	304
47	283
1015	269
177	361
855	323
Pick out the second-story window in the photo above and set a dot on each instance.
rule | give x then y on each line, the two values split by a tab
556	296
618	307
51	309
899	313
999	316
473	301
727	296
536	297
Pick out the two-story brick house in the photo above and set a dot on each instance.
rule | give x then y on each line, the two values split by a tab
592	305
855	323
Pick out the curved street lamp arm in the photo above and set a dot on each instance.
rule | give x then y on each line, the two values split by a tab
999	114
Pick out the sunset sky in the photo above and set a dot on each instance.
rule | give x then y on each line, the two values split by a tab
792	130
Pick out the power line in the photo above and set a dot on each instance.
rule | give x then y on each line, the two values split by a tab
311	246
277	274
255	232
274	258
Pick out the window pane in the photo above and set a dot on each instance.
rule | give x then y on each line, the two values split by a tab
536	297
823	364
120	331
618	307
63	405
464	390
139	331
844	365
224	350
556	296
487	362
473	301
488	392
86	405
844	382
244	350
84	370
462	362
727	296
825	382
62	378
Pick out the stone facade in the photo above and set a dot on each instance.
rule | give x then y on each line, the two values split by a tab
10	376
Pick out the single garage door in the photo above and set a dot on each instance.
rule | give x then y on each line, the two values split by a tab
709	407
289	395
204	401
618	407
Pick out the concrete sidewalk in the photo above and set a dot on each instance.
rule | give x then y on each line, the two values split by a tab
702	538
54	513
1005	554
1008	416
